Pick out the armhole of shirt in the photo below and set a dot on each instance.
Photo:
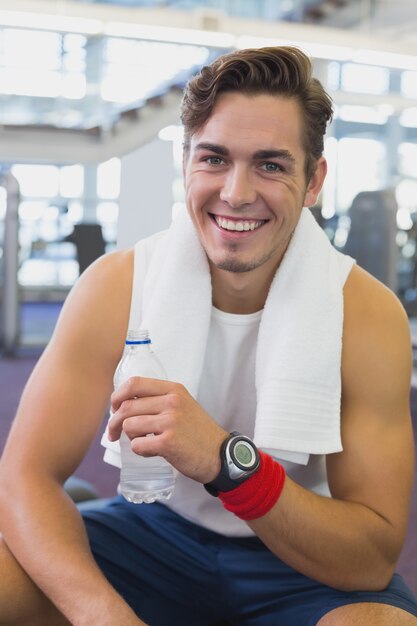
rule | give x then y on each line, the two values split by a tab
346	264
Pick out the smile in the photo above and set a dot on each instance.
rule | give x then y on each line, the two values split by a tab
237	225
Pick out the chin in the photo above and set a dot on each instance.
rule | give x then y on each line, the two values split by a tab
236	266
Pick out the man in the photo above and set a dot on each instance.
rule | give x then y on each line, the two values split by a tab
271	548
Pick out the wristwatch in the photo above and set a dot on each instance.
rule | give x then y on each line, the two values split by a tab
239	461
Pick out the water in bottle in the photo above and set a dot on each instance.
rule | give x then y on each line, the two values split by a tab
142	479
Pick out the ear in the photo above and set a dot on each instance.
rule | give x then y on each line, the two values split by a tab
315	183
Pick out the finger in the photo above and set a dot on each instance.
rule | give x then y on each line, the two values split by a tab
148	446
143	426
139	386
137	407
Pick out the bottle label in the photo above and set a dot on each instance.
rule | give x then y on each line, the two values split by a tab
136	343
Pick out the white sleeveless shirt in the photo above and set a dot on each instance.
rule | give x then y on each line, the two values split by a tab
227	392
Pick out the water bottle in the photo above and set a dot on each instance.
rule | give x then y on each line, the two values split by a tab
142	479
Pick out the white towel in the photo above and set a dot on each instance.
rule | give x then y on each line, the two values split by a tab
298	360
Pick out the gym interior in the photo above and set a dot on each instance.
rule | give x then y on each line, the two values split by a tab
91	150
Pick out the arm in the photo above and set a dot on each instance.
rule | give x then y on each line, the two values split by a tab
60	411
353	540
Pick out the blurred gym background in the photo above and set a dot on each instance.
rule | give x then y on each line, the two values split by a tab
90	147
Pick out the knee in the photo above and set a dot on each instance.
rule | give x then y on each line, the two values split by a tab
14	586
366	614
21	601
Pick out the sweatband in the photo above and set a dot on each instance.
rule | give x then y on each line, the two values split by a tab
258	494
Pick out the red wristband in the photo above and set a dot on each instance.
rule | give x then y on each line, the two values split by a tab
258	494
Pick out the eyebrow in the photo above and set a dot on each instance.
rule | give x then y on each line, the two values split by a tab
213	147
258	155
274	154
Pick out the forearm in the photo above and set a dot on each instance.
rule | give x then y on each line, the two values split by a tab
45	533
342	544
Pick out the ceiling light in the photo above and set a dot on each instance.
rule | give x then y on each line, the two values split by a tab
43	21
168	34
386	59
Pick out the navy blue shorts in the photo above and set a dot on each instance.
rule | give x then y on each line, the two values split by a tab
175	573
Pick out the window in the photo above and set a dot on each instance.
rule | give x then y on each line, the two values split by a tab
133	70
365	115
408	118
365	78
359	168
333	75
409	84
71	181
407	159
108	179
42	64
41	181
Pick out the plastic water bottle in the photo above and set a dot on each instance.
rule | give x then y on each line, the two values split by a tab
142	479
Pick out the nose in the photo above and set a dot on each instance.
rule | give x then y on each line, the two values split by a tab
237	189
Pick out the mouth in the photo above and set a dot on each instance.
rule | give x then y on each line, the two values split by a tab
237	225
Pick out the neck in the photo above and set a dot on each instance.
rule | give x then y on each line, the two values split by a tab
240	293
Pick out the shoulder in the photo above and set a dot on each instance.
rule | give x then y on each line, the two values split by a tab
112	266
97	309
369	304
107	281
376	333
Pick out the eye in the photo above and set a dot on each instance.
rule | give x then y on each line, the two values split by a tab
214	160
272	167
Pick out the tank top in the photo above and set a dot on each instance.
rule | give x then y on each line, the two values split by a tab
227	392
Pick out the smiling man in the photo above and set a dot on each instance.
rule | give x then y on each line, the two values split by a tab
285	412
245	196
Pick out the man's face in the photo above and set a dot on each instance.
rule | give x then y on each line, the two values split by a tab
245	182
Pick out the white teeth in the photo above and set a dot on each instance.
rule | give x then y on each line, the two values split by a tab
239	226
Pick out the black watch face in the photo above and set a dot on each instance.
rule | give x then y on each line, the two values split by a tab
243	454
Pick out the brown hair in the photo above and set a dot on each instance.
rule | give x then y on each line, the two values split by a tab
282	70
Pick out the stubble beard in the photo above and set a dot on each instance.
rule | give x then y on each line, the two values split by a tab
236	266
